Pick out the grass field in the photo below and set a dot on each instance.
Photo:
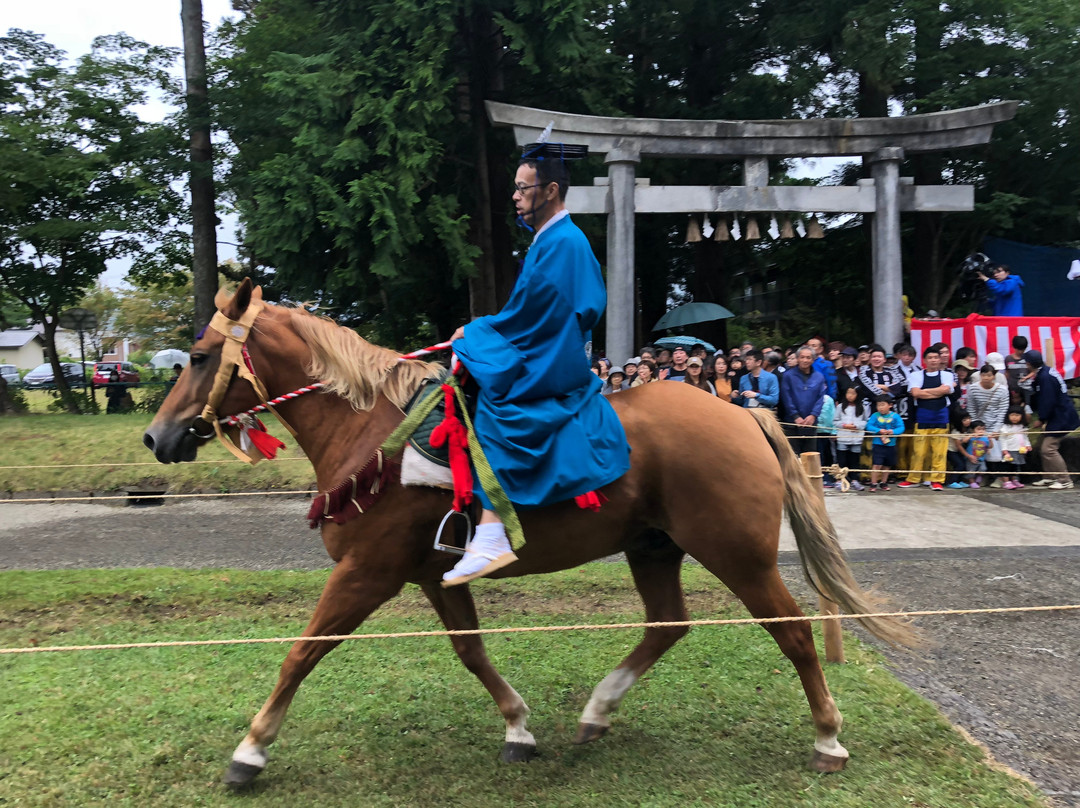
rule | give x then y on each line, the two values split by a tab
54	439
720	721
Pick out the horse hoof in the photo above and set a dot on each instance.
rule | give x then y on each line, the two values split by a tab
589	732
517	752
240	774
826	764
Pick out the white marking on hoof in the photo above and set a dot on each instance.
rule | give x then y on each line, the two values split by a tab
515	728
251	753
607	696
828	745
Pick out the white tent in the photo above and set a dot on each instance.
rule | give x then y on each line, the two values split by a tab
167	358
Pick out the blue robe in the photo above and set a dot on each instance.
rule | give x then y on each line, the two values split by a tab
547	432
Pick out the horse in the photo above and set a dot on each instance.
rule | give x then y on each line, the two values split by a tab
738	461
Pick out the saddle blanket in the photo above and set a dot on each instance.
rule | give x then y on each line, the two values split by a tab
421	463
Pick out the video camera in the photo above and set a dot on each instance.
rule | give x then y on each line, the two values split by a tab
974	265
971	287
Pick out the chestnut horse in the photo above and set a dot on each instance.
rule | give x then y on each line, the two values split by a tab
737	461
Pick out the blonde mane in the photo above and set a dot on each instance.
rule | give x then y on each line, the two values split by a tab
353	368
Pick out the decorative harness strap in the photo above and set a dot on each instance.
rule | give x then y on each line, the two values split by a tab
234	357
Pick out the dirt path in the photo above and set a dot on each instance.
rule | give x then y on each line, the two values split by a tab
1011	681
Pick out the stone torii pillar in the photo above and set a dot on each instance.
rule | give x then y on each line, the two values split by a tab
622	168
887	274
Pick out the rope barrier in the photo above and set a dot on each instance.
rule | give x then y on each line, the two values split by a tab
832	433
146	495
230	461
743	621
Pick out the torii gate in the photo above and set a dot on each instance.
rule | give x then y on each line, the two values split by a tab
881	141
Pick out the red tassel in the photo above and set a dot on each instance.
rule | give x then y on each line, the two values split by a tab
590	500
262	440
453	433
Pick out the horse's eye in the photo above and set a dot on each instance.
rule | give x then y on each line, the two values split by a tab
197	359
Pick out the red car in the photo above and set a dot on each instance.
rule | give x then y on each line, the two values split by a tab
125	370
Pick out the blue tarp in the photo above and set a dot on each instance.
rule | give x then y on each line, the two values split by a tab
1047	292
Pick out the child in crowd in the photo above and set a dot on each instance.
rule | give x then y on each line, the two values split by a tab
975	449
884	425
961	430
1014	443
850	423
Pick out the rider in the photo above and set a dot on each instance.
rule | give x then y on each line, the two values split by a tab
546	432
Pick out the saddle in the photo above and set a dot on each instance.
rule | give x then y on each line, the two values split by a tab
420	441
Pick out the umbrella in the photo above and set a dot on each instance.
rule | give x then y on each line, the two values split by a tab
685	342
168	358
692	313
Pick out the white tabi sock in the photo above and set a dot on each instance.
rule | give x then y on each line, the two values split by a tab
489	543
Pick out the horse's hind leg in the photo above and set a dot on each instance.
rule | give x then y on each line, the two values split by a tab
656	575
765	595
349	596
458	611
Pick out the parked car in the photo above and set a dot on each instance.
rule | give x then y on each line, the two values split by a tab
127	372
41	377
10	374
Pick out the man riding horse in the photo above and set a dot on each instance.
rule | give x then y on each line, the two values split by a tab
547	433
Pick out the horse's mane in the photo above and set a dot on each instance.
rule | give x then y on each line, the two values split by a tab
353	368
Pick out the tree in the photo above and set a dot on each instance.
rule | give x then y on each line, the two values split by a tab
875	57
105	303
82	178
203	217
363	167
158	316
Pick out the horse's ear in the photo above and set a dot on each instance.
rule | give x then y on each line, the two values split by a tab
235	307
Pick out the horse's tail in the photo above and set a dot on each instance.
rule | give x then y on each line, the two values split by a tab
823	560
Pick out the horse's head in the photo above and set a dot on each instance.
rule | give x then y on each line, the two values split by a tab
179	428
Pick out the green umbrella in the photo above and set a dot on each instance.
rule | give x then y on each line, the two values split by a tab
683	341
692	313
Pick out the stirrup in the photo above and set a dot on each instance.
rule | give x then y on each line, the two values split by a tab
453	548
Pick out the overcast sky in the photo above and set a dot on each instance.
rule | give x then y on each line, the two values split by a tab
71	25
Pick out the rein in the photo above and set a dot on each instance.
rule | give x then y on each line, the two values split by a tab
235	358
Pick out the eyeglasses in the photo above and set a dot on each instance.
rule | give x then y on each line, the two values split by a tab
521	189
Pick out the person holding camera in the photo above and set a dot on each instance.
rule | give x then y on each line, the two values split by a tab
1004	291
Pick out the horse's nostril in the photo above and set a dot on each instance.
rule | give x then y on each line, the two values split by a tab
148	441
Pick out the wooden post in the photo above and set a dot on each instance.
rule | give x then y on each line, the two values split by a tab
1048	352
834	640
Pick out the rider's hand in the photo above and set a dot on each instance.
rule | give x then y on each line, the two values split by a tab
458	334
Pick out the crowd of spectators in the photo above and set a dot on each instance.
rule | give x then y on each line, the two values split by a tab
938	420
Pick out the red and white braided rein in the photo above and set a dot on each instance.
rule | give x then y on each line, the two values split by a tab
234	420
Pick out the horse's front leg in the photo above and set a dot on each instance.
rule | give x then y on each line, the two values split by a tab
353	591
458	612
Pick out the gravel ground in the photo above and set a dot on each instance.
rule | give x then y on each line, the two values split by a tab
1009	680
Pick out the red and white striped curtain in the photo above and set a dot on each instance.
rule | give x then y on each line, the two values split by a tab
990	334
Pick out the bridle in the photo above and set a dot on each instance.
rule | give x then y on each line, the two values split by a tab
234	359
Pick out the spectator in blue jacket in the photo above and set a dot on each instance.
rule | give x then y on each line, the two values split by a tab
758	388
1005	292
1056	414
823	365
803	391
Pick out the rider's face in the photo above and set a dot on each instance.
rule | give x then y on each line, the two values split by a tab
528	193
